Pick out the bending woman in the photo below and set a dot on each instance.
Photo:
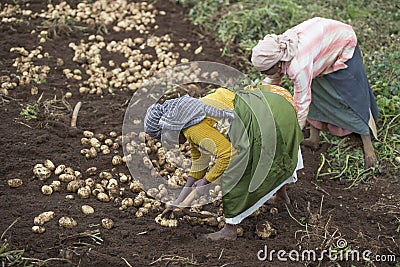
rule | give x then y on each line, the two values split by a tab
331	89
254	135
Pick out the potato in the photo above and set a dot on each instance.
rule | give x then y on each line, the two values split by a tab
116	160
74	185
90	182
124	178
98	188
47	190
88	134
67	222
107	223
66	178
128	202
112	183
109	142
78	175
14	183
70	197
105	175
265	230
38	229
211	221
152	192
83	192
41	172
138	201
141	212
273	211
135	186
86	209
94	142
59	169
85	141
49	165
69	170
91	171
166	222
106	151
239	231
56	186
103	197
43	217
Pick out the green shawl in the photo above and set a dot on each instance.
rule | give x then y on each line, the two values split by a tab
267	138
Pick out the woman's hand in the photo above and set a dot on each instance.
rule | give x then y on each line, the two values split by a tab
182	196
191	183
200	186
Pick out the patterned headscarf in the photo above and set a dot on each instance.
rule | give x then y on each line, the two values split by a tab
274	48
178	114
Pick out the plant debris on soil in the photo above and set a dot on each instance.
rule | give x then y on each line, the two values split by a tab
56	54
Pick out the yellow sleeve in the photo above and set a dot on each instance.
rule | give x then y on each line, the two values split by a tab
208	142
222	98
200	162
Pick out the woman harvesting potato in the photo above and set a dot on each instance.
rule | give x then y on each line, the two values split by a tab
331	90
254	135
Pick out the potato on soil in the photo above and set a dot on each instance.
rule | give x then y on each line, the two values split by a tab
67	222
41	172
74	185
83	192
14	183
135	186
47	190
107	223
56	186
66	177
43	217
38	229
49	165
239	231
103	197
265	230
86	209
59	169
166	222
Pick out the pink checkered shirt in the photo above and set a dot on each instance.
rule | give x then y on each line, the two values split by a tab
324	47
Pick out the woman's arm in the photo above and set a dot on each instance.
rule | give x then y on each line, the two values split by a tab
210	142
301	75
274	79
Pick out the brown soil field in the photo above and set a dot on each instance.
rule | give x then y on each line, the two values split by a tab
322	213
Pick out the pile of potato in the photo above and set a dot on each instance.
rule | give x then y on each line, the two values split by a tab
126	192
93	74
64	221
27	68
127	15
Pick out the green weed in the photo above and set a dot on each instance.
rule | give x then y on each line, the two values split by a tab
61	26
31	111
49	108
12	257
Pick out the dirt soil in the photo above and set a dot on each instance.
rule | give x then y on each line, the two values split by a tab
367	217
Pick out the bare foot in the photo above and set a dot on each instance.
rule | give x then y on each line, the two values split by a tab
282	194
370	161
226	233
370	158
308	142
273	200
